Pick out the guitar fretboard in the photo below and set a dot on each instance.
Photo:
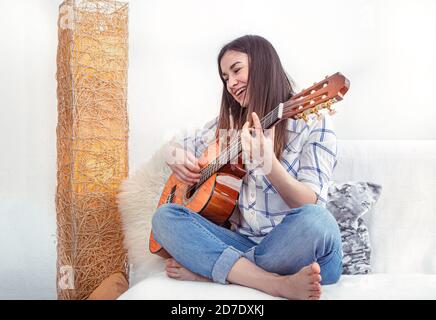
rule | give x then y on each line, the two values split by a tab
232	152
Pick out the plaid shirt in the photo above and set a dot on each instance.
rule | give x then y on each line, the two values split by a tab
309	156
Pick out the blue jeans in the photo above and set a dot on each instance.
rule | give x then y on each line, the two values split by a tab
307	234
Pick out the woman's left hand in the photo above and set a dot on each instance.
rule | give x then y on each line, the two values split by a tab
257	145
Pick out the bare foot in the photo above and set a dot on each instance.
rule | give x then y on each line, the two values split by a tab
303	285
176	271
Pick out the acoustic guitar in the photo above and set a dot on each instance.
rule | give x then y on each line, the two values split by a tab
215	195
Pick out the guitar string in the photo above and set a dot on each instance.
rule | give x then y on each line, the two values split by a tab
235	146
226	153
218	162
214	165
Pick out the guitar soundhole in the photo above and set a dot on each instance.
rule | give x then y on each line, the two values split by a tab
170	197
190	192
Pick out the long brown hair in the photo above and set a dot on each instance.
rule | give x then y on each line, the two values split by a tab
268	86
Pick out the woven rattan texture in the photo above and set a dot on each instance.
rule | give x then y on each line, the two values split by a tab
92	140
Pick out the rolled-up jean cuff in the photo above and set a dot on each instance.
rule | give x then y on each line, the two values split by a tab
224	263
250	254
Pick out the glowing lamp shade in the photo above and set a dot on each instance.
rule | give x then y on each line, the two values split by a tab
92	139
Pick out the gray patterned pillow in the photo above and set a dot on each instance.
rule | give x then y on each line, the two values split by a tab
348	202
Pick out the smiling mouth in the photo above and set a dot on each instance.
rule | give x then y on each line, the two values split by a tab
239	93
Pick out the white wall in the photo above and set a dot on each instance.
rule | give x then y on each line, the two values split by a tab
28	149
386	48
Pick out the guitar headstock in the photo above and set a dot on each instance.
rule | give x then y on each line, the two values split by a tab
318	97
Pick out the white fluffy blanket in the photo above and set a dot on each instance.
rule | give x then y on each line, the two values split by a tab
137	202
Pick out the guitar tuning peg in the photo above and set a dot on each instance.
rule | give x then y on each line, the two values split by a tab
316	112
330	109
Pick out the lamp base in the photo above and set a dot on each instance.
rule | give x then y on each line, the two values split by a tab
111	288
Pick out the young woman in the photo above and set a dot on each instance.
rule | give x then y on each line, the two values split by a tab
282	240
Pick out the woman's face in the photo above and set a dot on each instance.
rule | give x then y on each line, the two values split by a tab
234	67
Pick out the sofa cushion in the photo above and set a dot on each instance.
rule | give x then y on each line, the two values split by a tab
402	224
348	202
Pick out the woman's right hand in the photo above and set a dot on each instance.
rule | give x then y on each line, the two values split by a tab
184	164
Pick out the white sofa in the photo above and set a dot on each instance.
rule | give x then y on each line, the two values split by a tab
402	229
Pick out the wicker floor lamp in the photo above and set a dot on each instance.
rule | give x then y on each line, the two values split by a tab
92	154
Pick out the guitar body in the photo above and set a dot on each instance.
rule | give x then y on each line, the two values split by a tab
215	199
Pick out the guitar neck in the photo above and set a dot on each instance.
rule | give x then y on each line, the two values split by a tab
311	101
235	148
267	122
